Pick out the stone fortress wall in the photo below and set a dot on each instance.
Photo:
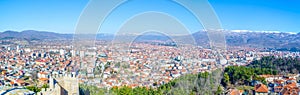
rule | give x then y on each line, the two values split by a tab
66	84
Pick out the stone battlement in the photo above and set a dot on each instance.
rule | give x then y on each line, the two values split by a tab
66	84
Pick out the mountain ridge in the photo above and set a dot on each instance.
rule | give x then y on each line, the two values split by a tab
233	38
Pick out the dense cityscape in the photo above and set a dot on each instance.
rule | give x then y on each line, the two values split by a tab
37	67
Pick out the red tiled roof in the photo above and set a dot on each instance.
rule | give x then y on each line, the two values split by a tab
43	79
20	81
235	92
261	88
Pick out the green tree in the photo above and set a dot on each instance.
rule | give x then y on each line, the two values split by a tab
33	88
226	79
45	86
219	90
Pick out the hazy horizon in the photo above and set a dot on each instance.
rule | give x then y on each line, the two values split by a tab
111	33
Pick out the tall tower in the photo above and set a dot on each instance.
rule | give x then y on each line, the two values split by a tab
51	83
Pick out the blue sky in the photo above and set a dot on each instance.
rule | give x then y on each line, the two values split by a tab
62	15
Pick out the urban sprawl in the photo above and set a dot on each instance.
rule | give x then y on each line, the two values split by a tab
57	65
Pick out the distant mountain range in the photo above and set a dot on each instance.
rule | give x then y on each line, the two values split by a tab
264	39
233	38
32	34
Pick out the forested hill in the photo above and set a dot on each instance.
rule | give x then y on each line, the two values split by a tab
281	65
